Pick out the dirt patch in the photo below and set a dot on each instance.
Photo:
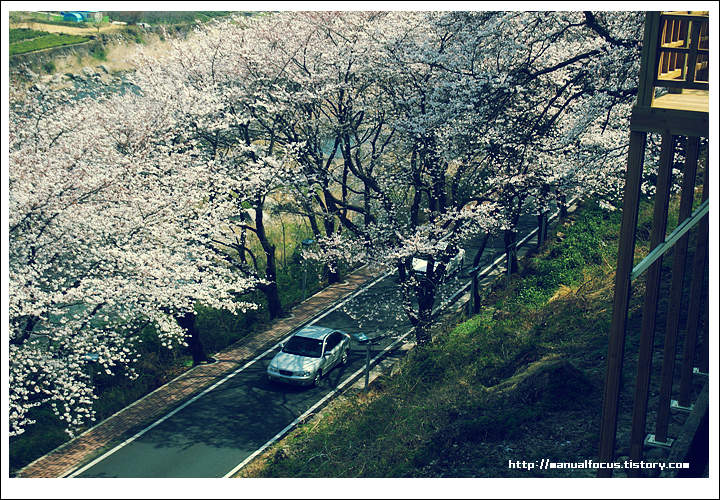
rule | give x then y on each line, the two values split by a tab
69	30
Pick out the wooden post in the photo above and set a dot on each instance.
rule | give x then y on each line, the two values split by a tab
652	286
695	299
705	345
693	312
648	63
676	293
626	252
474	291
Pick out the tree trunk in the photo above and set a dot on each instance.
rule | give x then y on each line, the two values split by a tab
192	337
402	273
332	269
481	249
27	330
426	299
270	290
272	295
333	273
510	248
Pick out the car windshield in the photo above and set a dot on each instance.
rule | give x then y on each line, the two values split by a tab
303	346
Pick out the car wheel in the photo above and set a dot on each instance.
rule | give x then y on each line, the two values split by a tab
316	380
344	359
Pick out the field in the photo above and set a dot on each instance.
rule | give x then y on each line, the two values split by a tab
23	41
70	30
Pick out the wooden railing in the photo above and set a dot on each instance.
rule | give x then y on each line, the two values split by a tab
675	56
683	51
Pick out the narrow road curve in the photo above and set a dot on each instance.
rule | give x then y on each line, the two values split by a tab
228	424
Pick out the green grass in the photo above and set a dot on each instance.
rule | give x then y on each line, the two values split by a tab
45	42
19	35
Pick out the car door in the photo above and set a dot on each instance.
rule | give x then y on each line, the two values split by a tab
332	347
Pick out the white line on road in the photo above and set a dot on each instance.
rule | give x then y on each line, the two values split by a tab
76	472
289	427
257	358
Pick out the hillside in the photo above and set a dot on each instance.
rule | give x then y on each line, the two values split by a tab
520	381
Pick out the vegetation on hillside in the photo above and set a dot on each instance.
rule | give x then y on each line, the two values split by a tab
521	380
19	35
167	17
25	40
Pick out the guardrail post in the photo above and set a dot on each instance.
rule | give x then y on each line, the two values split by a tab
563	206
367	365
474	291
510	251
542	228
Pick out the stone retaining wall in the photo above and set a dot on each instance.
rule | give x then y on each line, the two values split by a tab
35	60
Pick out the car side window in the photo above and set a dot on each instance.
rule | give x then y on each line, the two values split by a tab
332	341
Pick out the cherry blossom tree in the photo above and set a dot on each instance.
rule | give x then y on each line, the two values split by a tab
515	99
492	114
349	147
397	134
223	91
415	130
110	232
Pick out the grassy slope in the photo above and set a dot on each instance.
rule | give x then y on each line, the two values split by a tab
522	380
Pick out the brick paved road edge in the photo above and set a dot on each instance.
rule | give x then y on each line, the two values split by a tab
146	410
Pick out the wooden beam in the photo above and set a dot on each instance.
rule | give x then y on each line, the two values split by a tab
676	293
626	253
652	293
682	84
705	345
649	59
696	297
685	17
670	121
692	56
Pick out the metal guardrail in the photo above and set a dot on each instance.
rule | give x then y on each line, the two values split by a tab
502	258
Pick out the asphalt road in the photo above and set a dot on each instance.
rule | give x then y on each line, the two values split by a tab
225	426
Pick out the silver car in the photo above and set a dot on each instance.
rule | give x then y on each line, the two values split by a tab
420	264
309	354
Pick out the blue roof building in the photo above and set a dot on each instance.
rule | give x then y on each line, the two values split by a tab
73	17
83	15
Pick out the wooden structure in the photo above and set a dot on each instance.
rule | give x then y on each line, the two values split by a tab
675	56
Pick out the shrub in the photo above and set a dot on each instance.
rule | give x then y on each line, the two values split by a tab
49	67
99	53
